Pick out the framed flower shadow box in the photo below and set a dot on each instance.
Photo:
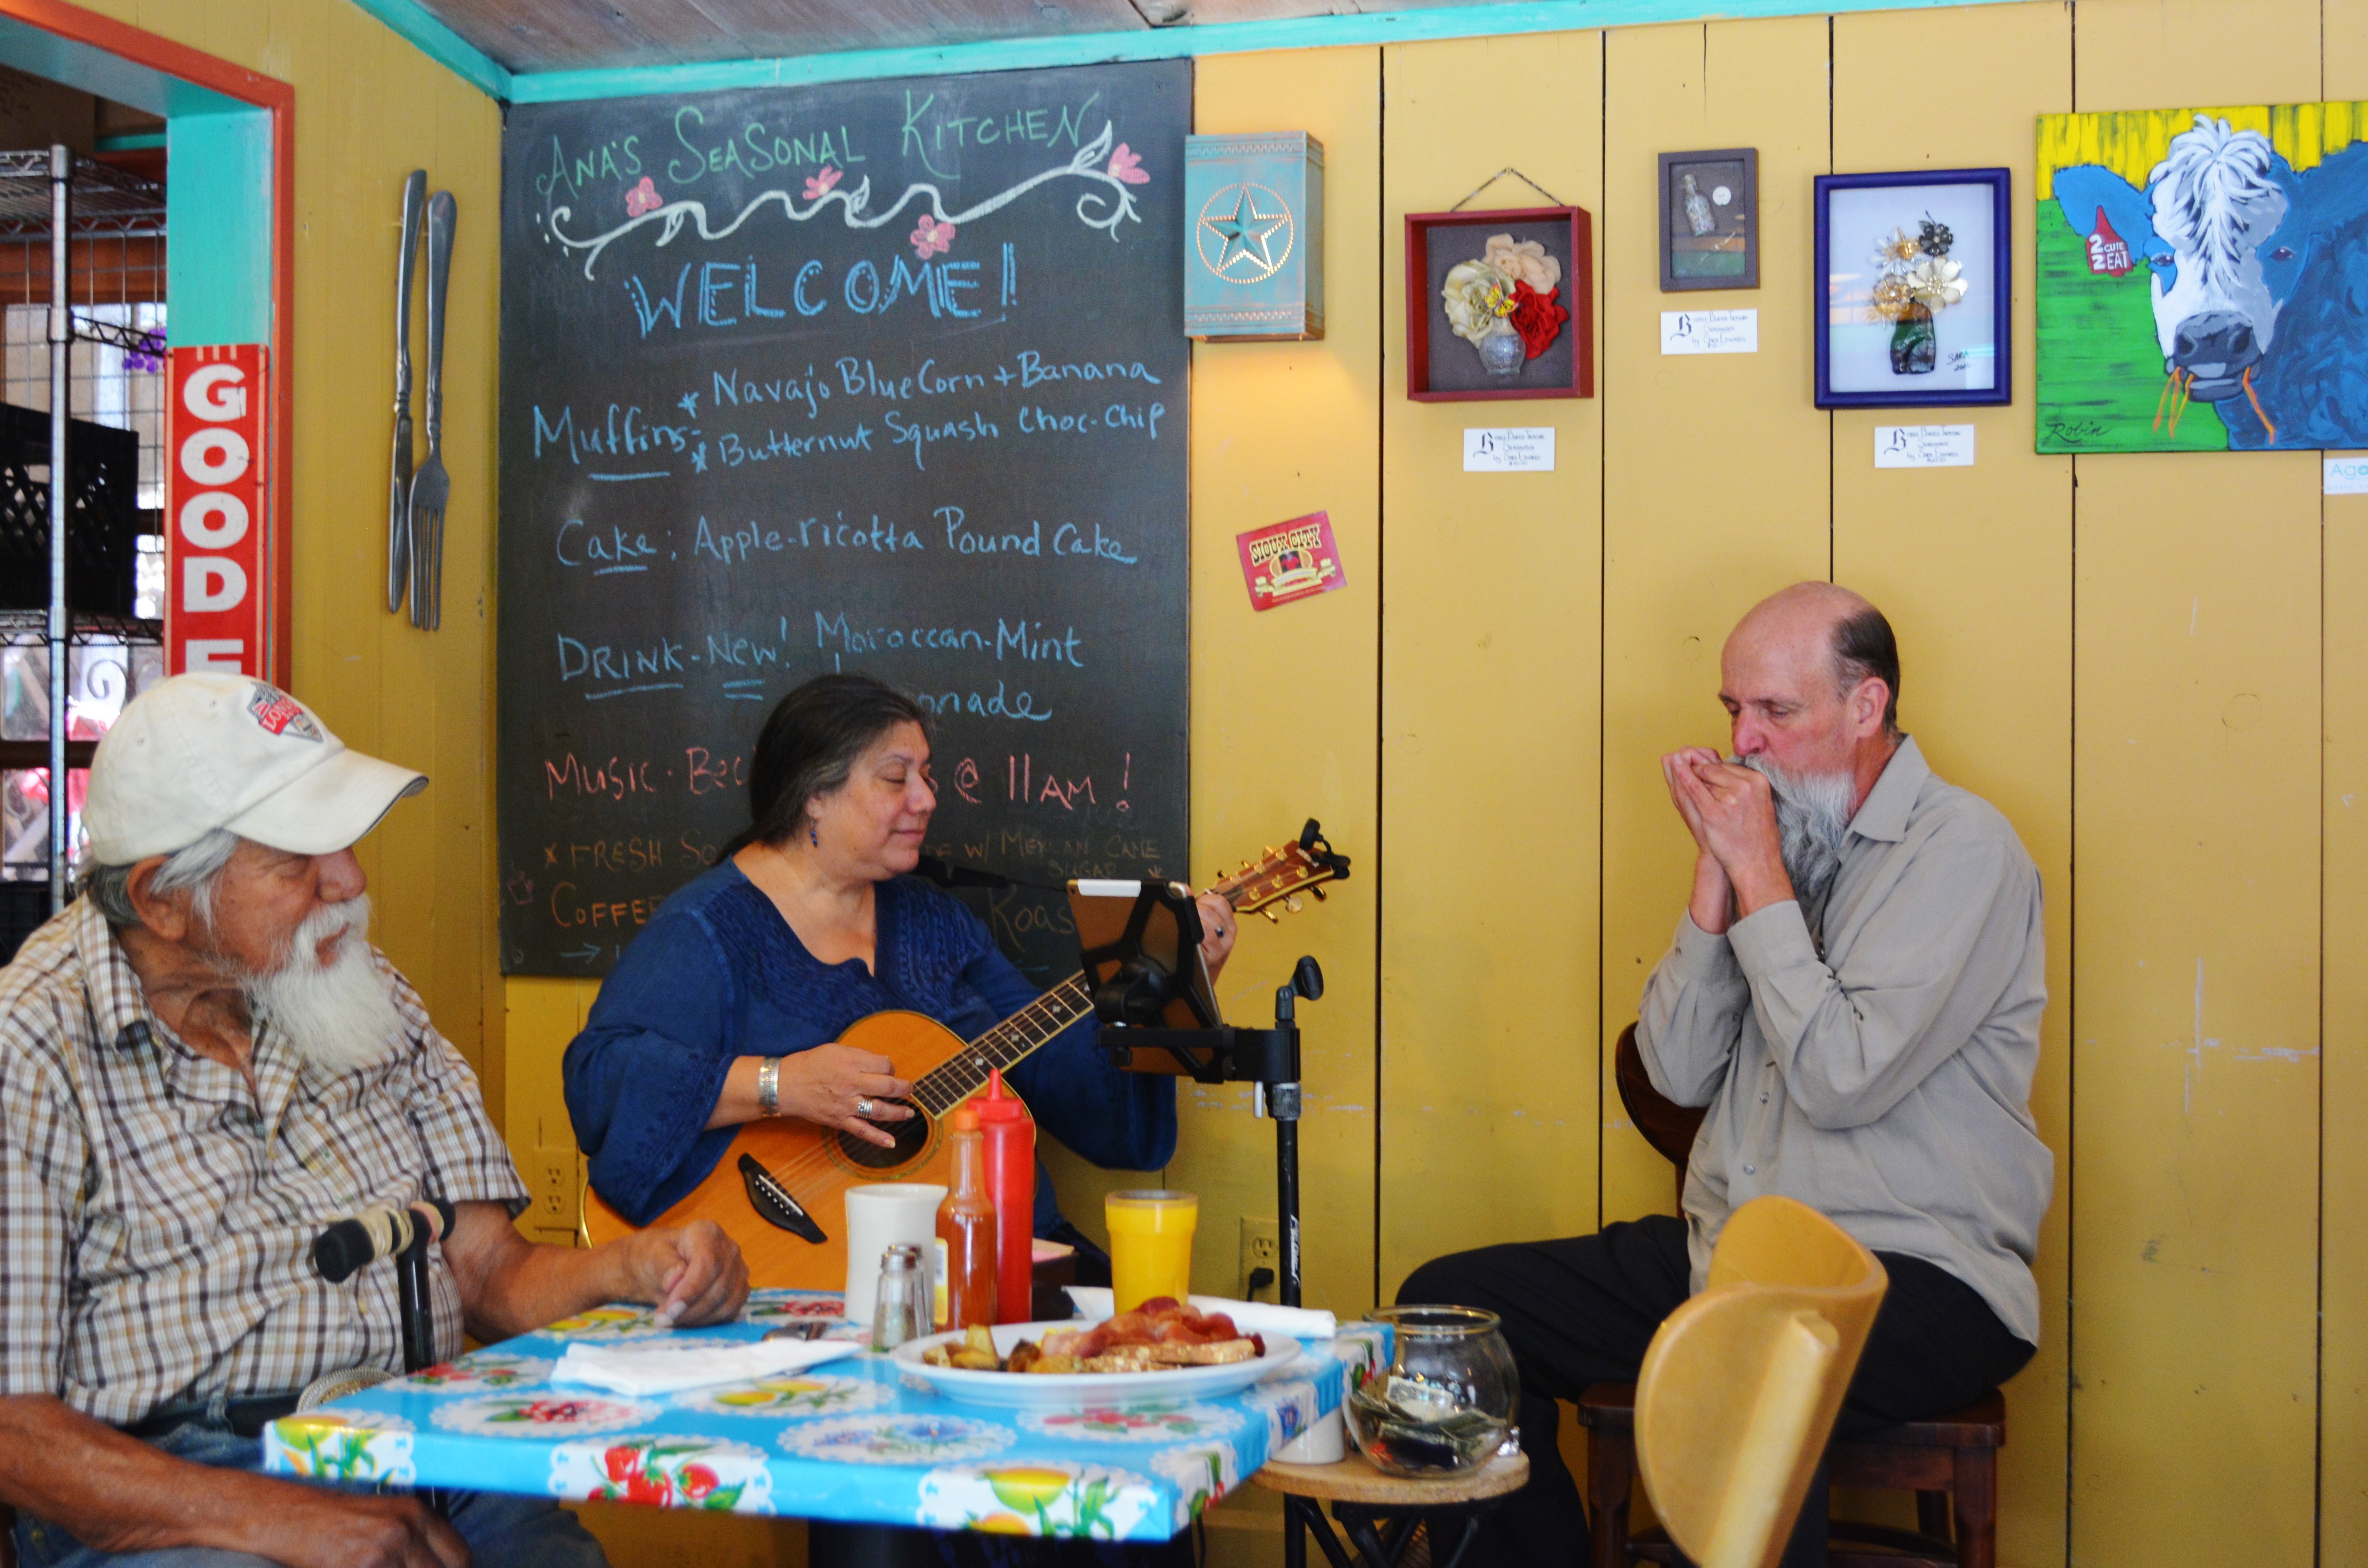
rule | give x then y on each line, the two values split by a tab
1500	305
1916	290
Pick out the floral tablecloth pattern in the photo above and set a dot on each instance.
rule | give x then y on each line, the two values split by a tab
852	1441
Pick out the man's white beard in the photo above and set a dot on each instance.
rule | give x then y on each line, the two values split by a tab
1813	817
342	1017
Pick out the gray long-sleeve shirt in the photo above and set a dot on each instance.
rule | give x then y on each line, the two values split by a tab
1872	1057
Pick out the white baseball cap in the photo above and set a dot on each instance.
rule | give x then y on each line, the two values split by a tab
201	752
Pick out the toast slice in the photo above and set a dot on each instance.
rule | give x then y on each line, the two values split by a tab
1221	1353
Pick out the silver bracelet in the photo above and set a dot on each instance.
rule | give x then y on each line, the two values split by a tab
769	1086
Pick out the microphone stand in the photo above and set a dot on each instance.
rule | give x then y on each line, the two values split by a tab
1130	1007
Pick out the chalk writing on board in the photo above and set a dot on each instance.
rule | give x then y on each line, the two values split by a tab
884	377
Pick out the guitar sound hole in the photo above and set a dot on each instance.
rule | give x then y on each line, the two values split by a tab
912	1136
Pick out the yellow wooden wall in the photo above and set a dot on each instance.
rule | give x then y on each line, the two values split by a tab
2157	666
369	109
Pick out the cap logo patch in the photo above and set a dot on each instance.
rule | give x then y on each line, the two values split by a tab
280	713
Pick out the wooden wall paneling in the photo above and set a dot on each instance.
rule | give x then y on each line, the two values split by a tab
1285	703
2197	773
2343	956
368	109
1974	566
1491	718
1714	474
543	1016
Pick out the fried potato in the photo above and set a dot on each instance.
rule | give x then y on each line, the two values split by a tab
1050	1365
1024	1354
974	1361
938	1356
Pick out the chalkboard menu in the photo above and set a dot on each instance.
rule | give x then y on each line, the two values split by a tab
886	377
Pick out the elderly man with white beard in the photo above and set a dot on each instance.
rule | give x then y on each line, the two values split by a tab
204	1064
1854	993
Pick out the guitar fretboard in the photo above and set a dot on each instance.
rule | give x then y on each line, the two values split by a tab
950	1083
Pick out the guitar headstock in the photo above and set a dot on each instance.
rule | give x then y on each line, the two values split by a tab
1280	876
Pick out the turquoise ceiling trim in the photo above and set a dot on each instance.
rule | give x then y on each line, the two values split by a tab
418	26
414	22
1162	43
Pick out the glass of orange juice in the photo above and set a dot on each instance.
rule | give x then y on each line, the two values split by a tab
1150	1245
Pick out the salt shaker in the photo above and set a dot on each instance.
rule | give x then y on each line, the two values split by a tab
901	1310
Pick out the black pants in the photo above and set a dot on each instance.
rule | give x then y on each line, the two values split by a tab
1582	1310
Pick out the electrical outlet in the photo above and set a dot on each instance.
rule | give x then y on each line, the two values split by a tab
1261	1248
553	1176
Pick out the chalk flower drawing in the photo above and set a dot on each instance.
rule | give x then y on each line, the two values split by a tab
931	238
643	197
819	186
1128	165
1104	209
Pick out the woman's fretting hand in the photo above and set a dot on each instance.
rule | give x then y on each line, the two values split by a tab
830	1085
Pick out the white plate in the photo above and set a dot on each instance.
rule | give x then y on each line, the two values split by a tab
1079	1390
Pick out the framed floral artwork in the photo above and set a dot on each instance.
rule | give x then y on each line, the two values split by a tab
1500	305
1709	220
1916	287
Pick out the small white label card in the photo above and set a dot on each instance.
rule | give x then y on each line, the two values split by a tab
1709	332
1923	446
1520	450
2346	476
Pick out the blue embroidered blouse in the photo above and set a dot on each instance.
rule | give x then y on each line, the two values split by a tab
719	974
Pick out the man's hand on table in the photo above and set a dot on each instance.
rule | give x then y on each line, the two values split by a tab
693	1274
1731	812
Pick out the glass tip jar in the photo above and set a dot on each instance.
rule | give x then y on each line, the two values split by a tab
1445	1403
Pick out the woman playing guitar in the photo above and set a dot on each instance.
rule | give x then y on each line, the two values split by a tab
729	1006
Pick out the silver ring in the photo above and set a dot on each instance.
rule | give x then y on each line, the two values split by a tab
862	1107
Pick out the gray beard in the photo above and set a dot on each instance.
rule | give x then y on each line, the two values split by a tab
1813	818
340	1019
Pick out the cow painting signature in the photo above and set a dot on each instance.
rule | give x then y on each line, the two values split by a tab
2197	271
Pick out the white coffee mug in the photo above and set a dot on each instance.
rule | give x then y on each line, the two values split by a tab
882	1216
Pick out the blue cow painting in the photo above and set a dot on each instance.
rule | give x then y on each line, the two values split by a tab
2216	302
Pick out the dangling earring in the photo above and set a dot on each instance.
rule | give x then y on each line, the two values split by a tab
814	833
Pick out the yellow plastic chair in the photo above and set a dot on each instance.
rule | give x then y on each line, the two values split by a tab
1740	1386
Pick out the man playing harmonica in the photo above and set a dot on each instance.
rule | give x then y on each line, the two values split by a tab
1855	993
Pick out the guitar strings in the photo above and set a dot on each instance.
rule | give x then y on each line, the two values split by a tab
939	1089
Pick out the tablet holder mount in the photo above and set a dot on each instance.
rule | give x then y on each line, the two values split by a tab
1134	1004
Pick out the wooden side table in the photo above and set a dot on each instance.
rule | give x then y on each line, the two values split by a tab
1380	1512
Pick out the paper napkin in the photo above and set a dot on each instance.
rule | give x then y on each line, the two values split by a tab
668	1368
1250	1317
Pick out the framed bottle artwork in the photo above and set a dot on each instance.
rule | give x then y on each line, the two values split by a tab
1709	220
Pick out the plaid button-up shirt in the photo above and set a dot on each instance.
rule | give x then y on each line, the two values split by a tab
157	1213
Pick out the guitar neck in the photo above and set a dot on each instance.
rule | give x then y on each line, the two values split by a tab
1005	1046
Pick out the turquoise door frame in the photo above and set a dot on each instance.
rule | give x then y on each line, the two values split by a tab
229	205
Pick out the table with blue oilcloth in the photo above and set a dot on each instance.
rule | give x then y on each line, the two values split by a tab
857	1440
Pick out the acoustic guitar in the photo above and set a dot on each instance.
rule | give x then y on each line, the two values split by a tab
781	1188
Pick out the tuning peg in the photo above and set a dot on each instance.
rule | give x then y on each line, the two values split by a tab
1318	891
1270	851
1292	904
1271	916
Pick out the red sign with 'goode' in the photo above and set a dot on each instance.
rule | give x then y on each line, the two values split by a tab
216	562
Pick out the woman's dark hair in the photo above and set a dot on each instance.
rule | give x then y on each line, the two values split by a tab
812	743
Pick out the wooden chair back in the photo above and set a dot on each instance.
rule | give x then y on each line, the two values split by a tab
1740	1386
1669	1127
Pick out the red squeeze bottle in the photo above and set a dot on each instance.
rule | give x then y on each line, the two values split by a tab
966	1226
1011	1182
